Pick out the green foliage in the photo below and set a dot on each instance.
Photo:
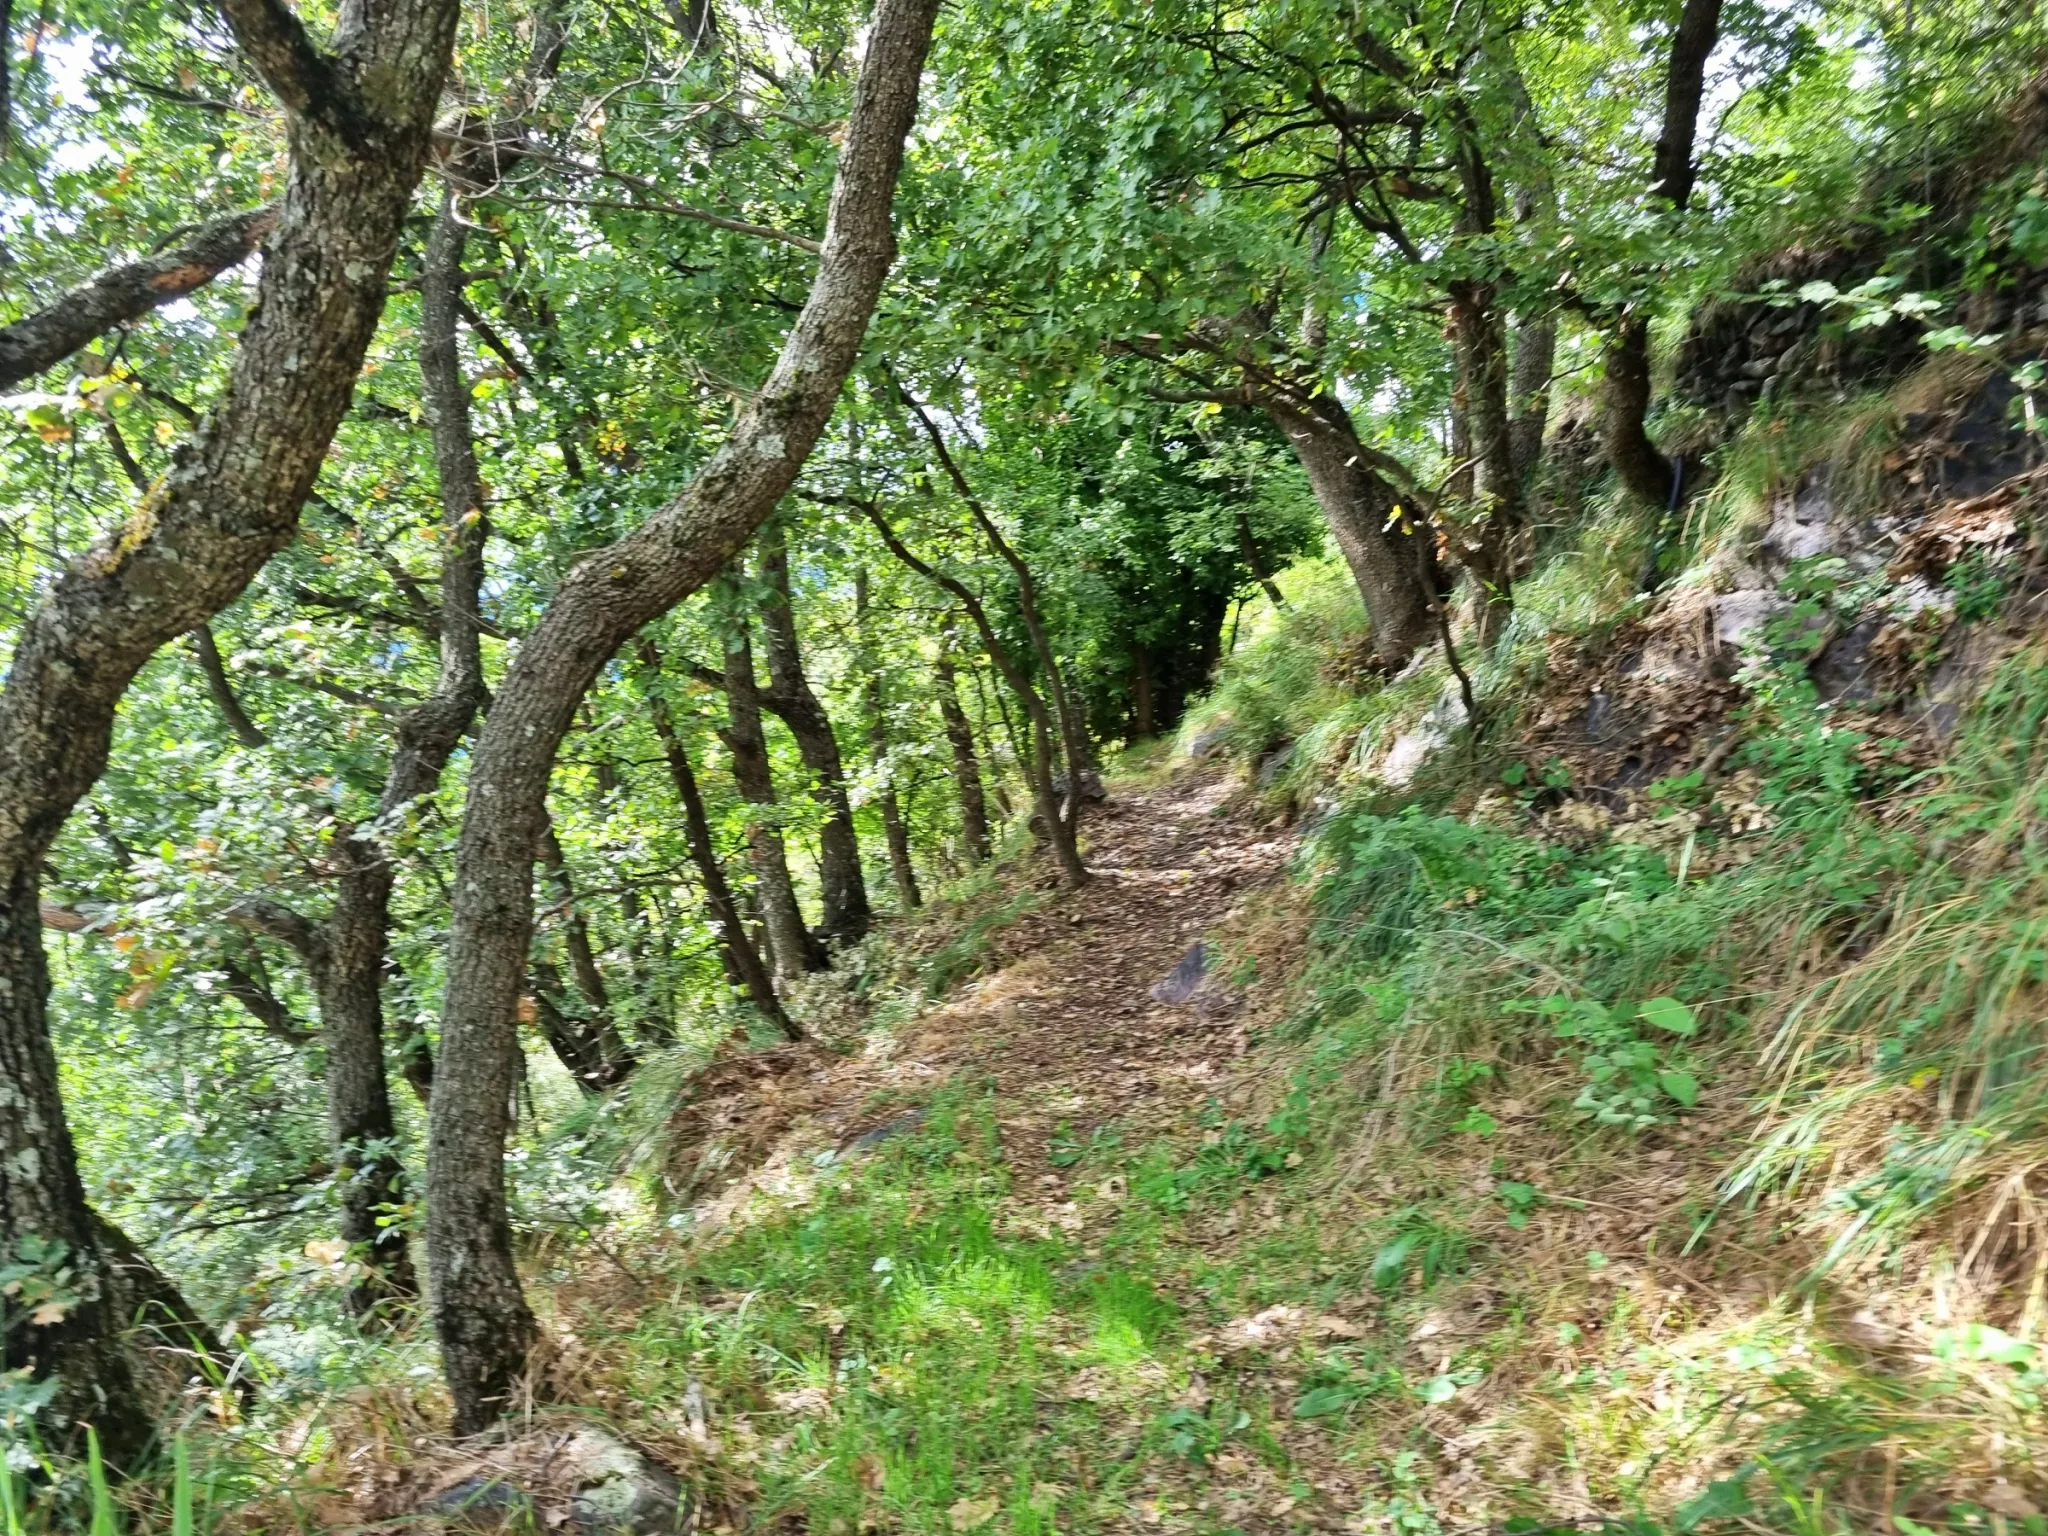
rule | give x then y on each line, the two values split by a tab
1631	1077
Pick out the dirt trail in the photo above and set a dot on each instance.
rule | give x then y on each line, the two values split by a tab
1064	1021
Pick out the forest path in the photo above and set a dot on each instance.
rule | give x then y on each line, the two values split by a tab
1065	1023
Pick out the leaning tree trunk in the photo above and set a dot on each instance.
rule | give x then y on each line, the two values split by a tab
1038	764
974	830
743	960
843	887
1388	550
485	1326
1073	731
795	949
357	120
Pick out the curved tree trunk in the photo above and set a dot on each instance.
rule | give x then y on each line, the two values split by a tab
1073	731
1038	765
357	120
481	1315
599	1057
1390	555
844	888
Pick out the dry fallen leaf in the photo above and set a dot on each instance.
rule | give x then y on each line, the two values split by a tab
966	1514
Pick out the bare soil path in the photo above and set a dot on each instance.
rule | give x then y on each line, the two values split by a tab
1067	1022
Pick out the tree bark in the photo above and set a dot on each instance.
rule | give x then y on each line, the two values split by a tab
1390	555
794	948
357	120
844	888
1639	463
481	1315
974	829
743	960
124	294
895	831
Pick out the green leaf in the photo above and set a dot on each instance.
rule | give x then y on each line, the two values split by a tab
1439	1389
1682	1086
1319	1402
1668	1013
1725	1499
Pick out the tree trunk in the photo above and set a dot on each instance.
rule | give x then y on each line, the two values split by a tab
1534	362
743	960
42	1202
1038	767
844	888
1390	556
795	949
1255	561
1490	540
894	829
896	834
974	829
357	123
360	1124
1142	724
1073	732
1638	462
218	685
481	1314
601	1059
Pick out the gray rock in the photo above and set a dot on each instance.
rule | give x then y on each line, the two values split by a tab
1209	741
902	1125
585	1480
1184	978
621	1491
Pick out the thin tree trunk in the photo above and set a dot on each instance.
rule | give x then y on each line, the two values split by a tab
220	688
1480	345
795	948
1038	769
606	1059
743	960
1073	733
1535	334
481	1315
1389	552
843	886
577	1045
1142	722
360	1123
974	829
1638	462
357	121
1255	561
895	831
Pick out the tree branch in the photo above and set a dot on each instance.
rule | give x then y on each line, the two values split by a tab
123	295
